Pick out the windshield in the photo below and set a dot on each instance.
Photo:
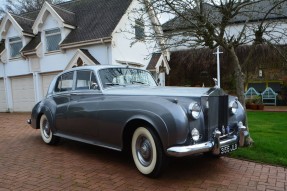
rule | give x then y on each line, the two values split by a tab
125	76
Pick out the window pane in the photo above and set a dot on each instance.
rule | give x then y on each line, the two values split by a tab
113	77
58	84
64	82
139	30
15	48
93	84
53	42
83	80
53	38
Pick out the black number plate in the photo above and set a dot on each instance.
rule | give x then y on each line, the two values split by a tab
228	148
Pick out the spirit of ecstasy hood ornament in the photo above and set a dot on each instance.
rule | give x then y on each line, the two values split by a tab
215	82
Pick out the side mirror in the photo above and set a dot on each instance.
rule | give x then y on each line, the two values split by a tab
94	86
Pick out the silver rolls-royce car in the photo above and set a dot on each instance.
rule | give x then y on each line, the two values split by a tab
122	108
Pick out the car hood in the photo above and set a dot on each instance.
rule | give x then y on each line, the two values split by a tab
163	91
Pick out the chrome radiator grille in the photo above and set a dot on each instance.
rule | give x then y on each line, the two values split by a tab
215	115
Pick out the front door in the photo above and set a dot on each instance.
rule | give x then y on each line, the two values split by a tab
82	110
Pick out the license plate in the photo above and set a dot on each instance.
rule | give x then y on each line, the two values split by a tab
228	148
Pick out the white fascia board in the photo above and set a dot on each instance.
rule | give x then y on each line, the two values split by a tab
28	34
32	52
69	26
86	43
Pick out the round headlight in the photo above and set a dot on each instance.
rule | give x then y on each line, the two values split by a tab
195	110
233	107
195	134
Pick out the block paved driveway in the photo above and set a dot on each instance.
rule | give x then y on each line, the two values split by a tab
26	163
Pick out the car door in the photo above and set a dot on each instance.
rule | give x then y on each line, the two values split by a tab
61	97
82	110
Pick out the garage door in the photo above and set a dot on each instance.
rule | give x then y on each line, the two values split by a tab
23	93
3	105
46	80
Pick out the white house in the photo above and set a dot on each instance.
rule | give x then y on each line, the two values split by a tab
182	34
38	45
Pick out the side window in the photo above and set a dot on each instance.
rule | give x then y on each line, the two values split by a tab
64	82
85	80
139	30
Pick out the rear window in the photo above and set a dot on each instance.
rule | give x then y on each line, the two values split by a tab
64	82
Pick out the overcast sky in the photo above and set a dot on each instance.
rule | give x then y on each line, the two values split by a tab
162	18
2	2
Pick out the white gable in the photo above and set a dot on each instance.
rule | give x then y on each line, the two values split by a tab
50	22
45	12
6	24
79	55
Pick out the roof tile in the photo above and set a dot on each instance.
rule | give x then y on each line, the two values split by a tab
94	19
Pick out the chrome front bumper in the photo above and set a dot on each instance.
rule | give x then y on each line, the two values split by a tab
211	146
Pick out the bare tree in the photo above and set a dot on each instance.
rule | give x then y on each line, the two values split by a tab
225	23
23	6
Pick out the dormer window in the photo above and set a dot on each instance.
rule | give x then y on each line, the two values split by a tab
15	46
53	38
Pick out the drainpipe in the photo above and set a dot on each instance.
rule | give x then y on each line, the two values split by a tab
8	90
37	87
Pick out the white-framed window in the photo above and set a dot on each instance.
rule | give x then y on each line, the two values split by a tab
139	29
53	38
15	46
64	82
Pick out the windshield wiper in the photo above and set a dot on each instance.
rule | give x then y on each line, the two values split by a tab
113	84
138	82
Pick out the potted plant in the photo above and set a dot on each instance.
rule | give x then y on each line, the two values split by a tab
248	103
258	103
254	103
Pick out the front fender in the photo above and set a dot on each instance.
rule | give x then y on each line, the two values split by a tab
240	114
157	123
168	120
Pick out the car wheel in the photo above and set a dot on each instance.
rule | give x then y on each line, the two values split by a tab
147	152
46	132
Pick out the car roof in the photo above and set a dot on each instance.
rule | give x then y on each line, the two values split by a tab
99	67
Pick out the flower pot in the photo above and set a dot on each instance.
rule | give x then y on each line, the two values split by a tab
248	106
260	107
253	106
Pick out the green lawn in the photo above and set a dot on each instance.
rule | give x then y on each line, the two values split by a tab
269	132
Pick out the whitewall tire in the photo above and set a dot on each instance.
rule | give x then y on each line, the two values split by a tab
147	152
46	132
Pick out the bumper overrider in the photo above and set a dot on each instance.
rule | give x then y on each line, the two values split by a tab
217	146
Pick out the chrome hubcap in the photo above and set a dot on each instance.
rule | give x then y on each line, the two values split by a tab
144	150
46	129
